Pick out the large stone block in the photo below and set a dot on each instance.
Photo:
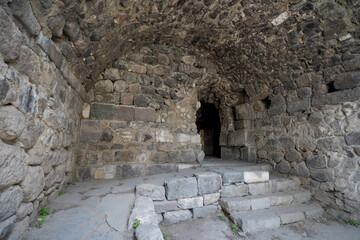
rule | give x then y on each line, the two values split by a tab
11	38
322	175
10	201
353	138
13	164
298	106
22	10
347	80
211	198
235	204
145	114
208	182
143	211
338	97
291	215
177	216
148	231
124	156
252	222
204	211
89	130
256	176
318	161
232	177
152	169
239	138
130	171
234	191
104	86
181	188
150	190
164	135
165	206
33	183
257	203
102	111
12	123
259	188
187	203
230	153
7	226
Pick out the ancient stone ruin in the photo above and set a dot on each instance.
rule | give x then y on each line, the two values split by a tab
100	90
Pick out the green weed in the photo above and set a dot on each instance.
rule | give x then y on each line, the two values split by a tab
61	193
136	223
222	218
165	236
234	228
44	211
352	222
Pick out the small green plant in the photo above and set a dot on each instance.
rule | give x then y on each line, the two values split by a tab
234	228
164	236
222	218
352	222
61	193
44	211
136	223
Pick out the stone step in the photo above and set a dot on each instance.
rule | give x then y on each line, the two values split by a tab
245	176
257	202
257	220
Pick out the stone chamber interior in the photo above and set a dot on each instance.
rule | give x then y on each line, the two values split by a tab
112	90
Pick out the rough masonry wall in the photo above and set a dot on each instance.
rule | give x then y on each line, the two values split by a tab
39	120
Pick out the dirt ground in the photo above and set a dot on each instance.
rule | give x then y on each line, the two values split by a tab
212	228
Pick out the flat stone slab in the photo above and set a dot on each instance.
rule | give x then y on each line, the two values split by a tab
72	224
253	221
177	216
148	232
143	211
280	198
116	207
256	176
204	211
232	177
165	206
235	204
234	190
301	196
187	203
151	190
181	188
211	198
259	188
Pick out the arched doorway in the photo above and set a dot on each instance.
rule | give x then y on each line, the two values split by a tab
209	127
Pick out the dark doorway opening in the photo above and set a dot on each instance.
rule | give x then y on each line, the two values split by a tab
209	127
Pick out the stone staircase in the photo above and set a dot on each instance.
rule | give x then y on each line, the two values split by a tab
254	202
250	197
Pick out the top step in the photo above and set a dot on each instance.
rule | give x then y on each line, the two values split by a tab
256	176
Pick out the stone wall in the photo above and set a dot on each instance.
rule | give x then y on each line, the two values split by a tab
40	106
143	117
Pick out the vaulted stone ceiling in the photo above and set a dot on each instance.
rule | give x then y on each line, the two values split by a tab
257	41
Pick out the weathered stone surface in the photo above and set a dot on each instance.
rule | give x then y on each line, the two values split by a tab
187	203
290	216
130	171
143	211
21	9
89	130
204	211
145	114
232	177
7	226
211	198
177	216
334	98
259	188
19	229
148	231
104	86
318	161
256	176
152	169
181	188
150	190
234	190
56	24
10	38
102	111
235	204
252	222
124	113
12	123
33	183
24	210
9	202
353	138
283	167
141	101
13	162
208	182
280	199
165	206
347	80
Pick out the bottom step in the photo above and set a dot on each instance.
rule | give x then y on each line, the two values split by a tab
253	221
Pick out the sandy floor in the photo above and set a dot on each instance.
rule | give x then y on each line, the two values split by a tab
212	228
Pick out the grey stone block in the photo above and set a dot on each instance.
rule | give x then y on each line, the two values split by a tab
235	204
234	190
353	138
253	221
143	211
10	201
285	185
151	190
338	97
187	203
204	211
148	232
211	198
102	111
259	188
301	196
256	176
208	182
89	130
181	188
165	206
152	169
160	217
280	199
232	177
6	226
177	216
313	211
290	215
258	203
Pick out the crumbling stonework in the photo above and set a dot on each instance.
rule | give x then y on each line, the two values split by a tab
111	89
